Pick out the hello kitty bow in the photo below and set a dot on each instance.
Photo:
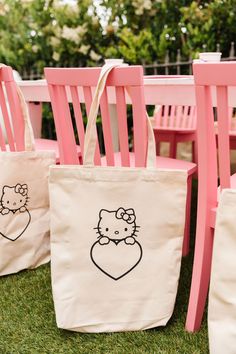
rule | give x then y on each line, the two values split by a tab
21	188
127	215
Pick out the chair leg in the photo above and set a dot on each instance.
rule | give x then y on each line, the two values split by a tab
158	144
200	274
194	151
173	147
185	249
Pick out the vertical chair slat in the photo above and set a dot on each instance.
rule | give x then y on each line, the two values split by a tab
64	126
191	121
16	112
165	117
78	116
87	98
106	127
88	102
172	116
122	126
194	122
140	125
190	118
6	119
179	112
207	168
158	114
184	117
223	136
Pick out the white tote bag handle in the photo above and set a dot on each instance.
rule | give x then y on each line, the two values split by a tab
90	135
28	130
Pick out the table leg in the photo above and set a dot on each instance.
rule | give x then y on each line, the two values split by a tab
35	112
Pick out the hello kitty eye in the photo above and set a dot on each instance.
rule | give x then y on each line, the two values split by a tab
20	200
8	202
107	229
126	229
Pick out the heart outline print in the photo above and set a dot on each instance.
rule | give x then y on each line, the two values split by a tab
116	252
14	215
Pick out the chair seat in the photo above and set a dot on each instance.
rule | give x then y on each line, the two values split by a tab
162	162
166	162
47	144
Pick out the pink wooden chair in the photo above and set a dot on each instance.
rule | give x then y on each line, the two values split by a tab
175	124
212	82
178	124
76	84
13	118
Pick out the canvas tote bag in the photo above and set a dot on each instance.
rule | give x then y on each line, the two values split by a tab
24	204
222	294
116	240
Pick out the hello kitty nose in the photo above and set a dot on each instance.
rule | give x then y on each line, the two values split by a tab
116	232
14	203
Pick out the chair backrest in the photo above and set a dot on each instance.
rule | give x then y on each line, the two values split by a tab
76	85
175	117
214	86
12	121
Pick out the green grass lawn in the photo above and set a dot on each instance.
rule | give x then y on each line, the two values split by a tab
28	326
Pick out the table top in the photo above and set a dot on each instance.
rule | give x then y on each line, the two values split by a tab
148	80
161	89
168	80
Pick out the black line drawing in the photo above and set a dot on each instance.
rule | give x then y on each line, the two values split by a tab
116	227
13	204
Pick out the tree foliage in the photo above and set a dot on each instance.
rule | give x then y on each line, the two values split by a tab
34	34
49	32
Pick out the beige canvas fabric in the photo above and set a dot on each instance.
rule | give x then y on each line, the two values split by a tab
116	241
222	294
24	205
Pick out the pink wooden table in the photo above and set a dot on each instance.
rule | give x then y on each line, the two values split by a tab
158	90
172	90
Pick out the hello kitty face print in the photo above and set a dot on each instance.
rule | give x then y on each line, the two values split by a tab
13	211
14	198
117	232
116	226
